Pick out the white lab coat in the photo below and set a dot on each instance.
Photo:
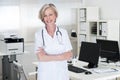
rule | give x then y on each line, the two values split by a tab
53	70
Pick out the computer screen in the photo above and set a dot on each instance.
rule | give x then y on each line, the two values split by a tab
109	49
89	52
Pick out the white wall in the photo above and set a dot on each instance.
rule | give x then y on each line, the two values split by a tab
109	9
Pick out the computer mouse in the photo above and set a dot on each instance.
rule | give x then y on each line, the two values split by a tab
88	72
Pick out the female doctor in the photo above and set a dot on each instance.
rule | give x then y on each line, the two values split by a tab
52	46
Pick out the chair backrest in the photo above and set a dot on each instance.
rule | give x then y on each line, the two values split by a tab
20	72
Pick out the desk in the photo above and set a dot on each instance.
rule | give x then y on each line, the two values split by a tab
8	67
5	54
94	75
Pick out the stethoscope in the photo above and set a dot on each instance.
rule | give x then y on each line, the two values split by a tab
59	36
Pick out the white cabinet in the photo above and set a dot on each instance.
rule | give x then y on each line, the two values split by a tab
113	30
84	15
92	13
103	29
90	27
88	13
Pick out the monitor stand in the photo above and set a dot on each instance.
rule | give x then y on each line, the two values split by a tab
106	61
91	65
110	61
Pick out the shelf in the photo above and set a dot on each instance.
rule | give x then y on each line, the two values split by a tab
90	27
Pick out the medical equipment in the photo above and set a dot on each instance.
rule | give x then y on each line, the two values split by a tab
11	44
59	36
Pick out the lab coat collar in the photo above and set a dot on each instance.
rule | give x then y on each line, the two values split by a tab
46	33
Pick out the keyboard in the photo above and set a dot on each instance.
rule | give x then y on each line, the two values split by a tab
76	69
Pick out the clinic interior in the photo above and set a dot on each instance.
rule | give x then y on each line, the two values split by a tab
21	16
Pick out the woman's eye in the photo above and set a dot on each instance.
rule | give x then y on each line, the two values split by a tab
45	15
50	14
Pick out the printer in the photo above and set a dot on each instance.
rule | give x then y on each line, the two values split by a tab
10	43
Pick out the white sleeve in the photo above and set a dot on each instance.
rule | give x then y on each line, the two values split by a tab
66	41
38	41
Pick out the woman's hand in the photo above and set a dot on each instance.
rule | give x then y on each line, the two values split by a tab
41	50
66	55
42	56
41	53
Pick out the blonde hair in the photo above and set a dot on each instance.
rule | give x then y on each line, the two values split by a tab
43	9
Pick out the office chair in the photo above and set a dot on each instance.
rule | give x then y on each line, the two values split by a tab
20	72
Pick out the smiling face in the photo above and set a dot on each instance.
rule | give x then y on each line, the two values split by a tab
49	17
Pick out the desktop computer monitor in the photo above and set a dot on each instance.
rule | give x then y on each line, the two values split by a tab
89	52
109	49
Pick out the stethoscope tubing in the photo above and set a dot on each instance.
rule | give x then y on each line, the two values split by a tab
58	31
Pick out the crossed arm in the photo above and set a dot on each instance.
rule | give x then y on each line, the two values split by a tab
43	56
